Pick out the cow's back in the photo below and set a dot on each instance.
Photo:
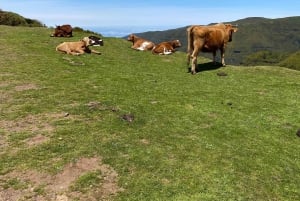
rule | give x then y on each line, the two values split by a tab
63	31
209	38
66	28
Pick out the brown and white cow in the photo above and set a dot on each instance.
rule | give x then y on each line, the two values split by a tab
166	48
77	48
208	39
63	31
140	43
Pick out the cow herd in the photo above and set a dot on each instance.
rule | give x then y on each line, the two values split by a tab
200	39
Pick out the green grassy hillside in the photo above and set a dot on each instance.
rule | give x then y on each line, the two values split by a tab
129	125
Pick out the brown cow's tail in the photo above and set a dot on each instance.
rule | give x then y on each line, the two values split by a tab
190	45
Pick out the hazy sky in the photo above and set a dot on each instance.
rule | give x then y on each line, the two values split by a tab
170	13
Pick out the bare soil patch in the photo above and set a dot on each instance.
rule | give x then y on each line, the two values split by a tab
43	186
30	123
25	87
36	140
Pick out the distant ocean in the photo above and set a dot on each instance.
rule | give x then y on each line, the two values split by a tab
121	31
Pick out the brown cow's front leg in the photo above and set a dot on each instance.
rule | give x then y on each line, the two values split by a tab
95	52
77	52
223	57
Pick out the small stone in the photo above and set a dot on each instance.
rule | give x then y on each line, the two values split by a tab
128	117
222	74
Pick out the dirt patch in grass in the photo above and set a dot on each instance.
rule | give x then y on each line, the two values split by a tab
30	123
36	140
42	186
25	87
38	125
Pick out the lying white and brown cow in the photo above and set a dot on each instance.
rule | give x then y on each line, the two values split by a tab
96	41
166	48
140	43
78	47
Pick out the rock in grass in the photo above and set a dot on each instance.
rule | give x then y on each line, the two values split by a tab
221	74
128	117
298	132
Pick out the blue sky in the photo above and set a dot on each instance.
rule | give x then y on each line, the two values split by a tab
175	13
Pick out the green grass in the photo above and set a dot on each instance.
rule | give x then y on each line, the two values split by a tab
201	137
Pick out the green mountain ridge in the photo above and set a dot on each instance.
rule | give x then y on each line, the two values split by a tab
255	34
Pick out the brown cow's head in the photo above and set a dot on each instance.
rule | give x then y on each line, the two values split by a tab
57	32
176	43
132	37
230	30
86	41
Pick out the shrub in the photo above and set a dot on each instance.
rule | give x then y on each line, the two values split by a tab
13	19
293	61
264	57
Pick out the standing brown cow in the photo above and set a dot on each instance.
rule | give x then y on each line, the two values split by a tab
63	31
208	39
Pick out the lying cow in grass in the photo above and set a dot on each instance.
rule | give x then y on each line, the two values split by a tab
96	41
80	47
166	48
140	43
63	31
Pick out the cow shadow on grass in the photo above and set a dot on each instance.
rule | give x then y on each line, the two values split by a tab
206	67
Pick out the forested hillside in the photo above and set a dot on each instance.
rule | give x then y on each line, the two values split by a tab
259	41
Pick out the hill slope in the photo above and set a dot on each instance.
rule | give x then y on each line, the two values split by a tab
255	34
14	19
65	131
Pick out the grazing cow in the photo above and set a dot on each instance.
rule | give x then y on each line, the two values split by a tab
96	41
166	48
77	48
208	39
63	31
140	43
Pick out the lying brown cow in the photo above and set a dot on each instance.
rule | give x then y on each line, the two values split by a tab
166	48
77	48
63	31
140	43
208	39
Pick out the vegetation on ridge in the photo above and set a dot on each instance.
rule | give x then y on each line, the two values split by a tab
14	19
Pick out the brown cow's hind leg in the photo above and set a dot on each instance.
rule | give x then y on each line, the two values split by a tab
194	61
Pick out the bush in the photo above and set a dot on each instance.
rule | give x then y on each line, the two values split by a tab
13	19
293	61
264	58
79	29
